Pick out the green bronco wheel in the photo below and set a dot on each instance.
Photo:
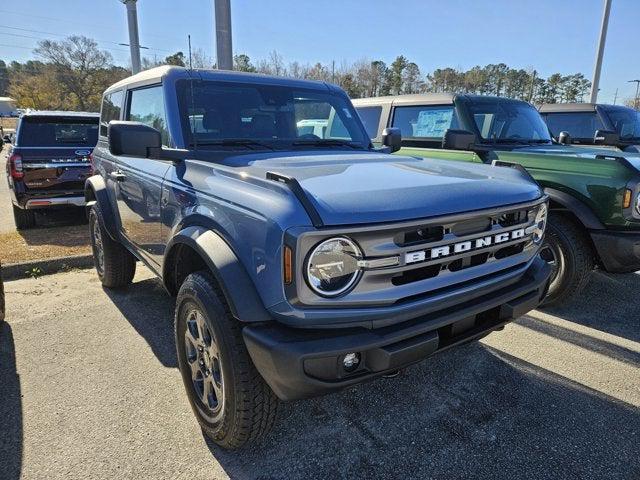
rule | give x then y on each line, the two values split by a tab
570	256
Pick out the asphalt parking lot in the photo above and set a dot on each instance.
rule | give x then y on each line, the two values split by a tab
89	388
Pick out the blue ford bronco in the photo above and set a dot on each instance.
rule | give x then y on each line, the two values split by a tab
304	260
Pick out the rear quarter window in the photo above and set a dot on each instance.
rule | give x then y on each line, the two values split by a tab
424	121
370	117
111	108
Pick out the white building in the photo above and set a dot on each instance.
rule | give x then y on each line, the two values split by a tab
7	107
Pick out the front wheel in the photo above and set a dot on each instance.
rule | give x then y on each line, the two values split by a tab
570	255
230	399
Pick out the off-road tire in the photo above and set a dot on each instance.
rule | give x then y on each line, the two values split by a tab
118	264
24	219
574	255
249	406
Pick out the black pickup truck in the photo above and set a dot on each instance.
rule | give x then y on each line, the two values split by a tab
49	161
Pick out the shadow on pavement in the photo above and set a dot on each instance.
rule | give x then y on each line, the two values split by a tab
609	303
469	413
472	412
598	345
61	217
149	309
10	408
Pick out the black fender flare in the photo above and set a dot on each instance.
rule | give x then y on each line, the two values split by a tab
95	193
575	206
236	285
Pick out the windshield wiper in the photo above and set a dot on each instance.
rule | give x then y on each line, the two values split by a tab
236	142
328	143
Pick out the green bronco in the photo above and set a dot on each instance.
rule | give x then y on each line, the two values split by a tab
594	192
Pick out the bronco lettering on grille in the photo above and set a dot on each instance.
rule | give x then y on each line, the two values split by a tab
461	247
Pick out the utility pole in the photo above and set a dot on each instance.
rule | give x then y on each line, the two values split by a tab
223	34
134	41
603	37
615	97
533	84
636	104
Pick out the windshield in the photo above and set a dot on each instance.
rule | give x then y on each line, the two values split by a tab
626	122
58	132
249	115
508	122
580	125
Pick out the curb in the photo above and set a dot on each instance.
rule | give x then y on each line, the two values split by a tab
16	271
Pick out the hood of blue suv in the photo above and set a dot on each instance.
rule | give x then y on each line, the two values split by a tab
363	187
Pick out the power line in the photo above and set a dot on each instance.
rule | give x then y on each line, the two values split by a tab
44	38
66	22
62	35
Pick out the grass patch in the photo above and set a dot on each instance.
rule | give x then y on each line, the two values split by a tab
43	243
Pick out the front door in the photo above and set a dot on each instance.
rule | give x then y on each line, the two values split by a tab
139	179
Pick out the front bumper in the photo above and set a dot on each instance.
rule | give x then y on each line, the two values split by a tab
299	363
619	252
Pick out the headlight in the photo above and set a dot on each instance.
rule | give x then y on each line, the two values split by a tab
540	223
332	267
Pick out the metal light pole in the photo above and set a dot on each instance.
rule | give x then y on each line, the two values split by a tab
223	34
134	42
600	54
636	105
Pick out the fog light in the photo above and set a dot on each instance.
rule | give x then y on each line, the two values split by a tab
351	361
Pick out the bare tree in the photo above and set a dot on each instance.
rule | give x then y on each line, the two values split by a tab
77	63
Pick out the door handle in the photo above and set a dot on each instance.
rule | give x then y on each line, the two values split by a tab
118	176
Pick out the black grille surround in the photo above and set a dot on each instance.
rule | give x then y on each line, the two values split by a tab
390	285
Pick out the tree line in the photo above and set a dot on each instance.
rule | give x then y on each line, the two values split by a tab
71	74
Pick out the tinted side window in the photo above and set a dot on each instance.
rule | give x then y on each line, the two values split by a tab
370	117
424	121
579	125
111	107
146	105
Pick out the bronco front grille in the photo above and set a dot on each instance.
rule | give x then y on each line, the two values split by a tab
433	254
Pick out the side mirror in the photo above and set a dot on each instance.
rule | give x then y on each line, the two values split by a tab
606	137
564	138
392	138
134	139
458	140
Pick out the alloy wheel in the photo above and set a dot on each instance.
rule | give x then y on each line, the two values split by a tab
550	253
203	358
98	247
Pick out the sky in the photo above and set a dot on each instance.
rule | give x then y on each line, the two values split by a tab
548	35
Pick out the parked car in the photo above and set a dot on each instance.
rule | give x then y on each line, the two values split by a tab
302	263
49	161
594	124
594	193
